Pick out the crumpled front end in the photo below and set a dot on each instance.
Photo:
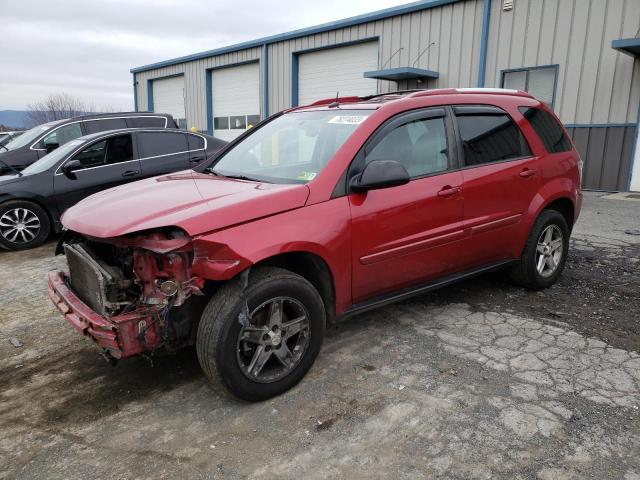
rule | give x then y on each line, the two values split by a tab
131	295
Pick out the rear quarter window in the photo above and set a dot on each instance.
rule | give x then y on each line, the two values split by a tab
102	125
547	128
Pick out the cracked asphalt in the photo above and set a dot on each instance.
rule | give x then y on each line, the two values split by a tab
479	380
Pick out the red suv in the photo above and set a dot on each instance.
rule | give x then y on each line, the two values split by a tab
320	212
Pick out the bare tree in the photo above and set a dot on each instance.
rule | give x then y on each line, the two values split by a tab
57	106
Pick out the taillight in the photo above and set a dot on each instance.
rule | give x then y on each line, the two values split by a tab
580	166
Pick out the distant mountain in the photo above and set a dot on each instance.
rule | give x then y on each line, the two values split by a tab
14	118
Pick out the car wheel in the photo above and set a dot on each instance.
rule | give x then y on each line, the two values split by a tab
261	340
545	252
23	225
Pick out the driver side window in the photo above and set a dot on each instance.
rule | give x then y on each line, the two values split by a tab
420	145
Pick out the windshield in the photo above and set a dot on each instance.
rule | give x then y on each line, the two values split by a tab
49	160
292	148
29	136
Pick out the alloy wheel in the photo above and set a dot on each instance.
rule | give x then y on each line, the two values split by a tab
19	225
273	340
549	250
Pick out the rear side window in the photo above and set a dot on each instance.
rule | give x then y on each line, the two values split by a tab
94	126
547	128
489	135
195	142
146	122
162	143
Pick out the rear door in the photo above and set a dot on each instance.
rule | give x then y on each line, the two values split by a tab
106	163
501	178
163	151
407	234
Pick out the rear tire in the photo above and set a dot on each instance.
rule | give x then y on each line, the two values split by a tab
259	351
545	252
23	225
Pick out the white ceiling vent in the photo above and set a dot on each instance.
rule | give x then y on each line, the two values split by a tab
507	5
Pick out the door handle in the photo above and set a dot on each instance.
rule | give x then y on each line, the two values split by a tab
197	159
448	191
527	172
130	173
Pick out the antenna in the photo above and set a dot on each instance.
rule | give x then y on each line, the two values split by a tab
336	103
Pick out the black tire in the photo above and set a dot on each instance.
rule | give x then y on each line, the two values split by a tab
526	273
13	211
220	327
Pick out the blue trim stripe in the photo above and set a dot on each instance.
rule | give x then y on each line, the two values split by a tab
209	100
294	79
135	93
325	27
484	42
264	59
634	152
150	95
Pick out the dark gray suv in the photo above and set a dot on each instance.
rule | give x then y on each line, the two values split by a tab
37	142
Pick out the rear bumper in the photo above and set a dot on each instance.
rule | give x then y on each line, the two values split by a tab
121	335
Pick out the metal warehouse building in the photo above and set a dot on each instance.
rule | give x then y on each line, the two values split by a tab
580	56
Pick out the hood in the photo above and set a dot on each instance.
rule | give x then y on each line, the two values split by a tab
196	202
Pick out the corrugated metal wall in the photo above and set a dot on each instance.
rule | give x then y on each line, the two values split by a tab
607	152
596	84
454	28
195	82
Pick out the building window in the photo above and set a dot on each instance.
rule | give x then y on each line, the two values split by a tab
538	81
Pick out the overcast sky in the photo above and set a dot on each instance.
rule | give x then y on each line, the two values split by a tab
86	47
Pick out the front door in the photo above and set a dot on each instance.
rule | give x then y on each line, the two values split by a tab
404	235
501	178
105	163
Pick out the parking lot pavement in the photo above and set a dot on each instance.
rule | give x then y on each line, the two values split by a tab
480	380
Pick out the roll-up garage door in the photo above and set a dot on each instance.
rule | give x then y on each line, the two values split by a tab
236	99
168	97
323	73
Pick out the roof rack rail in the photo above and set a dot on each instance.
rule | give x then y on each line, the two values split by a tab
472	90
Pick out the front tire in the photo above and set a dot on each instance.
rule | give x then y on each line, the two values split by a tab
23	225
545	252
260	341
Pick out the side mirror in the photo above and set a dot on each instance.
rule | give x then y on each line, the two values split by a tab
50	147
380	174
71	166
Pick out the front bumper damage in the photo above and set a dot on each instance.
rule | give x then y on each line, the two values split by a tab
120	336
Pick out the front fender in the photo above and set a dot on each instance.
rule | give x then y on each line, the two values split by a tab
321	229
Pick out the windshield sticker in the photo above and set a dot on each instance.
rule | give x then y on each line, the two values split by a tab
348	119
307	176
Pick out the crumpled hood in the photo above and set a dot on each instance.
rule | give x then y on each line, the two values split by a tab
196	202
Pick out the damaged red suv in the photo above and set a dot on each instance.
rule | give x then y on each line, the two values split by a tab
320	212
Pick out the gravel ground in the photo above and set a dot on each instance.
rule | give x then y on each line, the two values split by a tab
479	380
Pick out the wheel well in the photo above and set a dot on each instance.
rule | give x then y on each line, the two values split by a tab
565	207
314	269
